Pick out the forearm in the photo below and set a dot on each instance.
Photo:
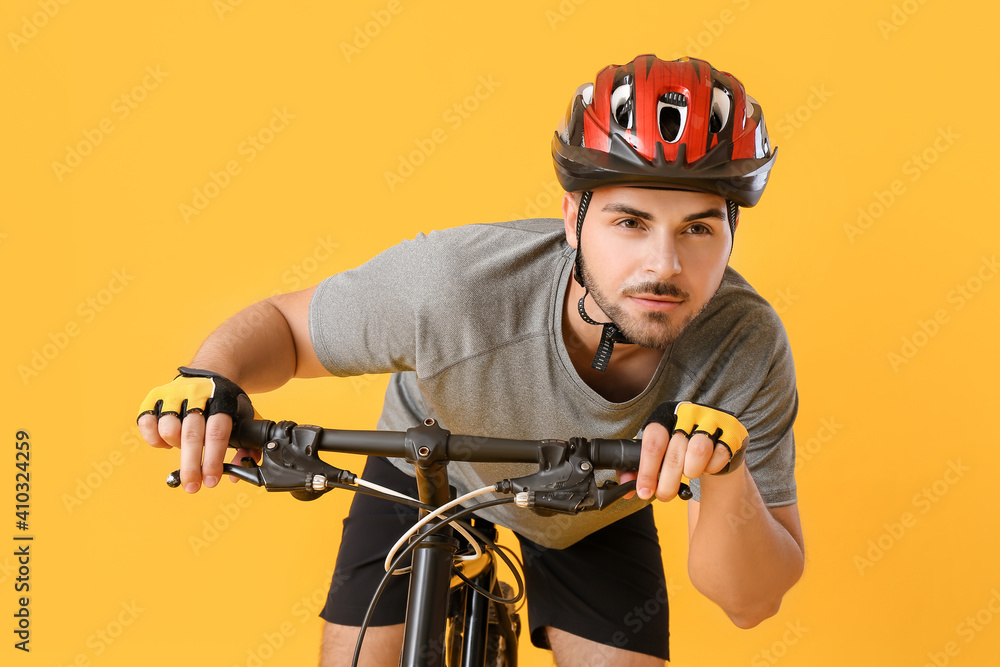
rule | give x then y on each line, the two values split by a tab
741	557
254	348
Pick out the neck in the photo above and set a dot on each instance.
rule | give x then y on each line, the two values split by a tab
631	366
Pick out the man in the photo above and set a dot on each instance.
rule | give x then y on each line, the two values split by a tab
553	329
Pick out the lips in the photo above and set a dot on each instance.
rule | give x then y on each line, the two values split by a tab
659	303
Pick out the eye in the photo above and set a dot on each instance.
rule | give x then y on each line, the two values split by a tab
629	223
722	104
622	107
671	115
699	229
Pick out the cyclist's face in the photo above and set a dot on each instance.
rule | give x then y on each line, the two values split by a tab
652	258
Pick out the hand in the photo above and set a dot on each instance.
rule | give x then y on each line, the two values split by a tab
686	439
195	413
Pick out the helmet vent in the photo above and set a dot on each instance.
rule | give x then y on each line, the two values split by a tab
722	104
622	105
671	114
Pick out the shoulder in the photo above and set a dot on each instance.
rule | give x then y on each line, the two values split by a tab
518	236
738	299
737	336
483	256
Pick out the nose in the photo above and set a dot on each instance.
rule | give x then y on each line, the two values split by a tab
662	260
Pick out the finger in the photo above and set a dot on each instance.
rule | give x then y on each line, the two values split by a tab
217	431
149	431
169	427
720	457
240	455
624	477
700	450
654	444
192	449
672	468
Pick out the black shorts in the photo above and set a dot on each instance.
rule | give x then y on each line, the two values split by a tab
608	587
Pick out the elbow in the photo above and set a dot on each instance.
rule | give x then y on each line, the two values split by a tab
751	617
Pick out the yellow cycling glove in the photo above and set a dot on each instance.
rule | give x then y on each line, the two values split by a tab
720	426
200	391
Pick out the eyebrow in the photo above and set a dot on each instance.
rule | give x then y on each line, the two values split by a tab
617	207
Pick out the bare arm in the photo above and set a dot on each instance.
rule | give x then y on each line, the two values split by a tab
743	555
265	345
260	348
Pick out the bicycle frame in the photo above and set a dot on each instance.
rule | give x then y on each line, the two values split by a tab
425	641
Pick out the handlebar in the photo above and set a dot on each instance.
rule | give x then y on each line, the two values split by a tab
565	481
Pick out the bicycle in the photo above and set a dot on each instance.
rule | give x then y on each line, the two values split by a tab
466	619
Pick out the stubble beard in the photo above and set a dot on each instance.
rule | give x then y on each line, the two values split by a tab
654	329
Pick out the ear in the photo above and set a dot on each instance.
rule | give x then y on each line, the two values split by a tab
570	208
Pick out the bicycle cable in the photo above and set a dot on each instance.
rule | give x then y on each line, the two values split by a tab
387	577
430	517
385	493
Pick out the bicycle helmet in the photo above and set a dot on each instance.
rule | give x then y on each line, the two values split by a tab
677	124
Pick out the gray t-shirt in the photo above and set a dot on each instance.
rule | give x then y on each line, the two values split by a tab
469	321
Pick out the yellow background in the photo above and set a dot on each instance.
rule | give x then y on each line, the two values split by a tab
901	547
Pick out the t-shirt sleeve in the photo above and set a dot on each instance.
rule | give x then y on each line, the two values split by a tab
757	384
366	320
417	306
769	418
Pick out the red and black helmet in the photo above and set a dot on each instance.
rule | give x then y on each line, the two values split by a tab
678	123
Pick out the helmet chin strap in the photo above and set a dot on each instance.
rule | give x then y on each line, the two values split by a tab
610	334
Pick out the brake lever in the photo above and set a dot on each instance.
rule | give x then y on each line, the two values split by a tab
565	482
290	462
610	491
248	473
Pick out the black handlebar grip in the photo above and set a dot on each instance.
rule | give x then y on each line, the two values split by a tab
624	455
618	454
251	433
